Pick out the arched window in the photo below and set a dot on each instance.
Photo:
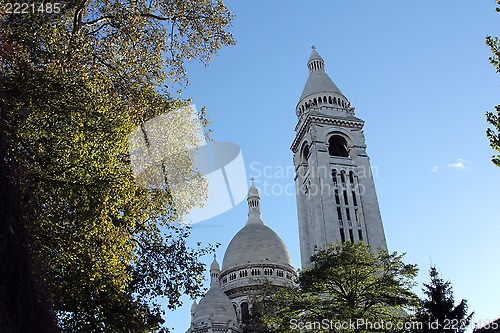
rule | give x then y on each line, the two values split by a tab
305	153
337	146
351	177
330	100
245	314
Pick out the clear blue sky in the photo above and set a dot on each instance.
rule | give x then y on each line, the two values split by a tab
418	74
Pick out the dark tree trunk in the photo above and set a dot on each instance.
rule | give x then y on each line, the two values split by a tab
25	305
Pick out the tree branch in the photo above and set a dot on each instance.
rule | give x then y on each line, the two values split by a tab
78	17
99	20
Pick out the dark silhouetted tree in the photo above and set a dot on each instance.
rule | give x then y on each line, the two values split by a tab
438	312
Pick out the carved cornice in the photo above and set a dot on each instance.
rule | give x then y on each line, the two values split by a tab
304	124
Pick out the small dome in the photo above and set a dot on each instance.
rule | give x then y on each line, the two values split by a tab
256	243
216	306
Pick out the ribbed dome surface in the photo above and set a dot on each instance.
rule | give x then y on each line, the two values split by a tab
256	243
216	306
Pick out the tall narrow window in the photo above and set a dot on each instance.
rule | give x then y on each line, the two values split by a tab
245	314
351	236
345	198
354	201
347	214
360	235
334	176
342	236
305	153
337	197
351	177
339	214
356	214
337	146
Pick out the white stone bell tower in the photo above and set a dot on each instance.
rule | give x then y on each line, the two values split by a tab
336	199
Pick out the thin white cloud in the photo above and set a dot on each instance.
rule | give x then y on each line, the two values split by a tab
457	165
460	164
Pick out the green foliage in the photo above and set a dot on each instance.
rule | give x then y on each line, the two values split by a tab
274	308
74	85
346	284
492	118
438	312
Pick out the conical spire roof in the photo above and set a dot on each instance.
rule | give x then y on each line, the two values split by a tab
314	55
318	81
215	265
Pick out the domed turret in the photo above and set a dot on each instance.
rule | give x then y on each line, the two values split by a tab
215	309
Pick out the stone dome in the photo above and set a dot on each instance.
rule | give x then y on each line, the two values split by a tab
256	243
214	306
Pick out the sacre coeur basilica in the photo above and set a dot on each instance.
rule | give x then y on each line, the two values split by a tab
336	202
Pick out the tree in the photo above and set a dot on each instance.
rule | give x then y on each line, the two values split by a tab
438	312
492	118
96	248
349	288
